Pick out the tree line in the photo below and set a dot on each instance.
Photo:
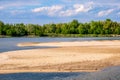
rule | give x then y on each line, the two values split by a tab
73	28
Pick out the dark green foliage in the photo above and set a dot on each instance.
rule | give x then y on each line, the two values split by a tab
1	27
73	29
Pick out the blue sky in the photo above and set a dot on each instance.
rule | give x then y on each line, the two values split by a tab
57	11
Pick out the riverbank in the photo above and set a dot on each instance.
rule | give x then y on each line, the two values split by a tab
54	35
83	56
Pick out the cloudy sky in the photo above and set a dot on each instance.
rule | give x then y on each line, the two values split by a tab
57	11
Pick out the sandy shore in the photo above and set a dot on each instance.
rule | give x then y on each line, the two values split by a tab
74	43
69	57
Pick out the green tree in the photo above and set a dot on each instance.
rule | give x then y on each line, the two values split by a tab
73	26
81	29
65	29
107	26
1	27
58	28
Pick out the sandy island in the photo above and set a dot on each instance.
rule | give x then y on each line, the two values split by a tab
67	57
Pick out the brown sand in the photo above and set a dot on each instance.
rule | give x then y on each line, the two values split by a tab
75	43
70	57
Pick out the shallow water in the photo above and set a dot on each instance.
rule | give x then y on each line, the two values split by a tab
111	73
9	44
37	76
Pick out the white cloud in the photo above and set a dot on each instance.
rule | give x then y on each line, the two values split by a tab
82	8
58	10
67	13
105	12
77	8
1	8
48	10
118	13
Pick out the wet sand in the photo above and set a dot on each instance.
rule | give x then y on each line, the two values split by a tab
68	57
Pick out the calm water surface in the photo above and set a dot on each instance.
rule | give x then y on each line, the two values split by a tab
38	76
9	44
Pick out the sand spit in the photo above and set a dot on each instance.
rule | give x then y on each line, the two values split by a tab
74	43
69	57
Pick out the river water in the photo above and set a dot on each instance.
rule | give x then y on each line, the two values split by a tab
10	44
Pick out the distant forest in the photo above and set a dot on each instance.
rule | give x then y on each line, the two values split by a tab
70	29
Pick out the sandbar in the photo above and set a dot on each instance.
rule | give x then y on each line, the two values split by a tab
66	57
